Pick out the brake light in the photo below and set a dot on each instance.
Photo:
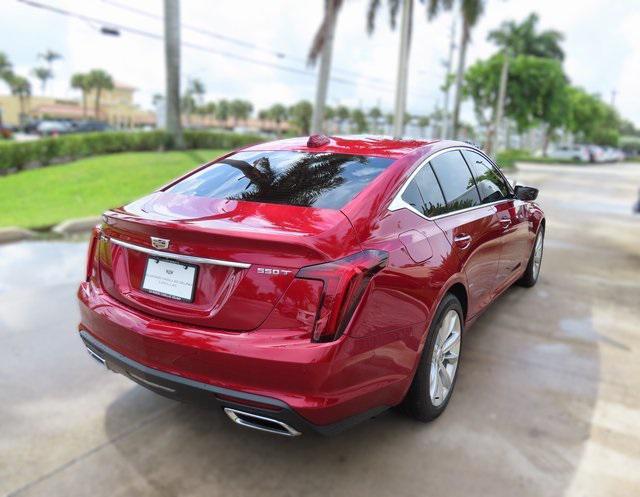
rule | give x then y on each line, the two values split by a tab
91	254
344	284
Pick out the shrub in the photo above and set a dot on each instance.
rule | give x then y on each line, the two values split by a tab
17	155
507	159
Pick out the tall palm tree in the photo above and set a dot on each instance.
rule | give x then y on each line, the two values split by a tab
470	11
44	74
172	67
50	57
343	114
520	39
322	46
80	81
21	87
433	8
99	80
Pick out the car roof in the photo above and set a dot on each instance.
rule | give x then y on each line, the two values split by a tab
370	145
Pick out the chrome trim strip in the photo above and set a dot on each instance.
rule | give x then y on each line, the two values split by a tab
96	357
398	203
234	416
150	383
180	257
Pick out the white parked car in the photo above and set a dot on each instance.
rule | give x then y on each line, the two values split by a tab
578	153
48	128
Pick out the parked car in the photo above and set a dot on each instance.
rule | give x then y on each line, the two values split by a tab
309	284
577	153
611	154
596	154
49	128
89	126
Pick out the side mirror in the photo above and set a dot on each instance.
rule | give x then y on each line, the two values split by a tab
525	193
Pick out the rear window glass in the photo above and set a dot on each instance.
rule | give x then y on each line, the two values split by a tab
324	180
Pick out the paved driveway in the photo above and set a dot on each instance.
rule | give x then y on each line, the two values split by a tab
547	402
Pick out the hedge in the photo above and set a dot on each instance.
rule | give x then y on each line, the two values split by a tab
15	156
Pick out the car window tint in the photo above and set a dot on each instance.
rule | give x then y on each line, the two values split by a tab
490	184
455	179
434	203
325	180
412	196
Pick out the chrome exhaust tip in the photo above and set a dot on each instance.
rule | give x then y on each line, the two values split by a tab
261	423
97	357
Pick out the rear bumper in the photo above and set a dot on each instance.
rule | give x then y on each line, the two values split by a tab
205	395
324	387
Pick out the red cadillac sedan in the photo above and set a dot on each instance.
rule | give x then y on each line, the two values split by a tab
309	284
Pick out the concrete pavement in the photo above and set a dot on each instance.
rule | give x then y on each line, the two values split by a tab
547	402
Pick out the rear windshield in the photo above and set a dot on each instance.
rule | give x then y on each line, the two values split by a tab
324	180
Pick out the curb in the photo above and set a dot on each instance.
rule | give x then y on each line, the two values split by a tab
79	225
15	234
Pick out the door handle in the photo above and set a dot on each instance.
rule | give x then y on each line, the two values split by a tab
462	240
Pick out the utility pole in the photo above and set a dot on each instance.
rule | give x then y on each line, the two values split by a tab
317	119
172	66
445	89
403	68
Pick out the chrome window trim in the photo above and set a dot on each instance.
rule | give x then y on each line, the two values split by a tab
180	257
398	203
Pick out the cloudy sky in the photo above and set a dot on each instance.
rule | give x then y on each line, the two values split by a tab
602	44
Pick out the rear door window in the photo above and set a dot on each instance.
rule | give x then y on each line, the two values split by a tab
491	186
456	182
324	180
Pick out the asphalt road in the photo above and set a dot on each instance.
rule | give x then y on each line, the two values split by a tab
547	402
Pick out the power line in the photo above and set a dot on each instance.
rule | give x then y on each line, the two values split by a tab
243	43
224	53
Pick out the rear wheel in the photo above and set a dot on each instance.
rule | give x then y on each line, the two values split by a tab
530	276
437	372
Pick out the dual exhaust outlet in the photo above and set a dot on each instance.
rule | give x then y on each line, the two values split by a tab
242	418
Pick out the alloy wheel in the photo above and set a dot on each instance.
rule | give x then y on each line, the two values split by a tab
444	359
537	255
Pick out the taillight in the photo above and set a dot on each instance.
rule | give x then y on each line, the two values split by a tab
91	254
345	282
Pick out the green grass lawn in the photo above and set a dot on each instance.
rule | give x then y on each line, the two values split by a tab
87	187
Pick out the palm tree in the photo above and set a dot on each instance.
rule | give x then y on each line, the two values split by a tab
423	123
222	111
240	110
470	10
82	82
343	114
172	69
99	80
5	67
375	114
21	87
520	39
43	74
50	57
433	8
278	113
322	46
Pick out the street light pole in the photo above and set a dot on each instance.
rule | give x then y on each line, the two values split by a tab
172	65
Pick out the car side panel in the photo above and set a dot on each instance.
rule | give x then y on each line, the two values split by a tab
479	260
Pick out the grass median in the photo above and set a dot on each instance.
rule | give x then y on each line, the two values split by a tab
43	197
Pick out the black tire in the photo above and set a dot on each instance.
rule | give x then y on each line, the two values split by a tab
417	402
530	276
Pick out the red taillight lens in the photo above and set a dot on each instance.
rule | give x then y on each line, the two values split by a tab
345	282
91	254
